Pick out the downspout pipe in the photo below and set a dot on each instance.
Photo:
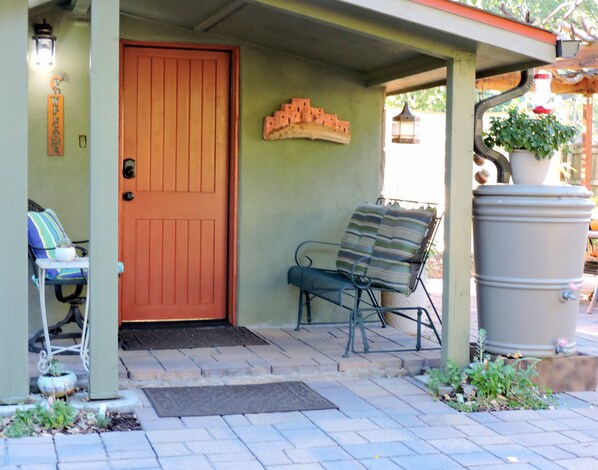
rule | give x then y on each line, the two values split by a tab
503	167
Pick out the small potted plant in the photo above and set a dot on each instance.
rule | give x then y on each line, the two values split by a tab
56	381
531	141
65	250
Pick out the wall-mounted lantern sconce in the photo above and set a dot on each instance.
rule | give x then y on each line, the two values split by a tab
405	127
44	43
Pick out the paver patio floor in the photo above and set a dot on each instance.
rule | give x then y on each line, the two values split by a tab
383	421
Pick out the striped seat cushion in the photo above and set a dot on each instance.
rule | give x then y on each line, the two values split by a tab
359	238
399	238
44	230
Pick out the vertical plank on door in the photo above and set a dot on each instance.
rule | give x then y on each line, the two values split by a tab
207	261
168	262
208	149
182	262
183	116
157	126
144	134
155	262
194	273
196	117
170	124
142	231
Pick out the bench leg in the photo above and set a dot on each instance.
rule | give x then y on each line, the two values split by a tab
350	338
308	306
418	340
432	304
364	339
375	303
352	319
355	316
299	311
432	326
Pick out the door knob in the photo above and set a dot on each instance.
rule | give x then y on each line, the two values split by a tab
129	196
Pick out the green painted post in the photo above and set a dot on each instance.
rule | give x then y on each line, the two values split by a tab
14	369
103	206
457	223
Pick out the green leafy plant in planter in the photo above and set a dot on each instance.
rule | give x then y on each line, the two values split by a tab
530	140
541	134
489	385
55	368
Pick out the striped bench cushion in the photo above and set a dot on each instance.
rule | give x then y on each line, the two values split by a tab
359	238
44	230
399	238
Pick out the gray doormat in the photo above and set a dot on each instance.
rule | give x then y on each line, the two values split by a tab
235	399
135	339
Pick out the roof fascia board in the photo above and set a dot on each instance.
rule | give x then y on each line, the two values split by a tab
402	69
487	17
359	25
470	23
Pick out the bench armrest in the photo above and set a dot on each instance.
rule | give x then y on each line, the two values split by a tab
361	281
310	242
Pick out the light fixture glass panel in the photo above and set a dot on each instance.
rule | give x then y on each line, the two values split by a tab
44	51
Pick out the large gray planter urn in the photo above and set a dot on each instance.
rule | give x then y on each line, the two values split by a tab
529	245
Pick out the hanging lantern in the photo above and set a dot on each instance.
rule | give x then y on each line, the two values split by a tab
405	127
44	42
542	92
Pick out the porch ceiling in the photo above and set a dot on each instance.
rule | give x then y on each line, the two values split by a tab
400	44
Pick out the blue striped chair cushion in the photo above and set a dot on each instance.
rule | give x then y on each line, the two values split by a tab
44	230
359	238
400	236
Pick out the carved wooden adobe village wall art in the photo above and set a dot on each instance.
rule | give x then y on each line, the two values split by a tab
299	120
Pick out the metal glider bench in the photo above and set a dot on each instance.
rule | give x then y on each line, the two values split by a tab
384	249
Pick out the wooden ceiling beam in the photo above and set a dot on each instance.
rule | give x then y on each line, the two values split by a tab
220	15
507	81
403	69
587	58
81	8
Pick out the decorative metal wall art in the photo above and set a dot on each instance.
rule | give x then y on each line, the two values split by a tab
298	120
56	116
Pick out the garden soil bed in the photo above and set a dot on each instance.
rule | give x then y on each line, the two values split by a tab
84	425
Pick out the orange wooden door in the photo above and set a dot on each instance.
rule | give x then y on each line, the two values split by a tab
175	126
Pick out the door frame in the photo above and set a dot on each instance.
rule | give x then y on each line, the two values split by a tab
233	163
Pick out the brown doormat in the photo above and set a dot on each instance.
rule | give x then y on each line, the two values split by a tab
235	399
135	339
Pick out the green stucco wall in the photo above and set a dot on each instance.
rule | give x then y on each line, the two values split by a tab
289	190
294	190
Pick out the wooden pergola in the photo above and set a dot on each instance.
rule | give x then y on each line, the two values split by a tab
578	75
